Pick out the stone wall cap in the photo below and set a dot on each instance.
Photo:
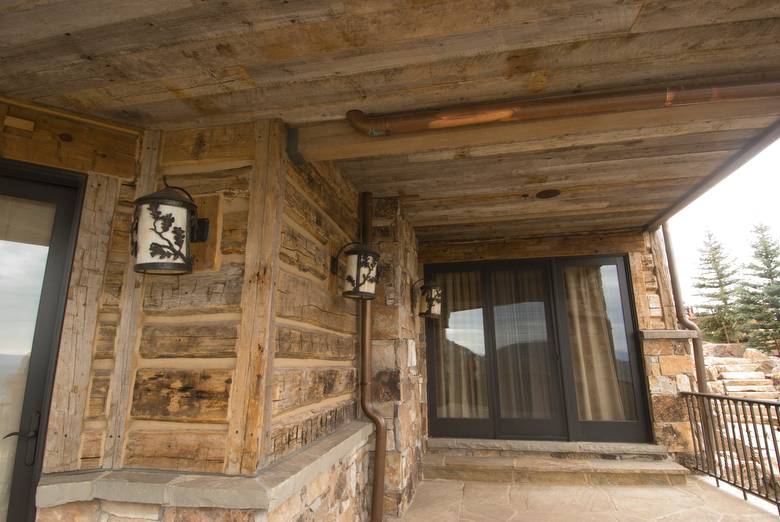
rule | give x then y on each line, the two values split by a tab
668	334
272	485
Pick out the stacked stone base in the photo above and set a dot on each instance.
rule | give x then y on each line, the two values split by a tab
330	480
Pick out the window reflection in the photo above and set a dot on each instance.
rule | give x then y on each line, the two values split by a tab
461	373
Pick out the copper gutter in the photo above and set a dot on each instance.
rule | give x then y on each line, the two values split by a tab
557	107
679	306
380	446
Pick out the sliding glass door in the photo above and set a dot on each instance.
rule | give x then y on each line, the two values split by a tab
537	350
527	379
601	359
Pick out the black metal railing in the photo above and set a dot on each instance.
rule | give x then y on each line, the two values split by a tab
736	440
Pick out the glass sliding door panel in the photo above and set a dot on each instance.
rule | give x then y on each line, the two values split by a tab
598	337
524	352
459	351
25	231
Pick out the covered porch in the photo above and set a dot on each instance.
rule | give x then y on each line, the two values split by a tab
521	157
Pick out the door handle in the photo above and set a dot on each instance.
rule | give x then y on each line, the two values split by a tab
30	434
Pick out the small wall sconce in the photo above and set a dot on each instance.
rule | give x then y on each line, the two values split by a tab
430	299
361	275
164	224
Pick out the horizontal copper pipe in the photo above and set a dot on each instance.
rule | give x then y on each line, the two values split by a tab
547	108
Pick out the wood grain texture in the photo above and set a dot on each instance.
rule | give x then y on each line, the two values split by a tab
80	330
202	340
176	449
248	401
129	326
195	293
217	64
181	395
299	299
295	432
62	143
296	387
305	343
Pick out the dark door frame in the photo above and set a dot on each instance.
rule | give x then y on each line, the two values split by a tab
493	427
66	191
604	431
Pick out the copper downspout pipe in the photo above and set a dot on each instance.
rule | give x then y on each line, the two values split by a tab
557	107
380	446
679	306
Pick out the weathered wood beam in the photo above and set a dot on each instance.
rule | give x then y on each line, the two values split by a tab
129	328
337	140
247	415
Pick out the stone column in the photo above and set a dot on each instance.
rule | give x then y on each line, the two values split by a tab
397	379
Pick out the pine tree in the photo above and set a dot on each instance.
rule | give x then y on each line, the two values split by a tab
717	282
760	295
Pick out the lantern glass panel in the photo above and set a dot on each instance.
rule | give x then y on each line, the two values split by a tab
361	275
162	239
430	303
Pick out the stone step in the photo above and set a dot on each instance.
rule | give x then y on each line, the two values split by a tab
536	469
711	361
750	367
749	388
770	396
747	382
543	448
728	376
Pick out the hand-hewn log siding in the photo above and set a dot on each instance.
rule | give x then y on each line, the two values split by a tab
296	342
81	323
315	326
203	340
159	355
184	369
296	387
195	450
203	292
181	395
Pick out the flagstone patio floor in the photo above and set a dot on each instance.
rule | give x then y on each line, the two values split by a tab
445	500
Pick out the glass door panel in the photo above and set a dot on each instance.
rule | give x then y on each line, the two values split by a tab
25	232
527	374
38	227
603	360
459	357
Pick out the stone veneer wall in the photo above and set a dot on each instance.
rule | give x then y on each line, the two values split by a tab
668	361
397	356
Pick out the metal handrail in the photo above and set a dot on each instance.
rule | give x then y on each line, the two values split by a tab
735	440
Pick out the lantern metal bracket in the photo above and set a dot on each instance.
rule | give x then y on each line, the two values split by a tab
334	260
414	293
199	231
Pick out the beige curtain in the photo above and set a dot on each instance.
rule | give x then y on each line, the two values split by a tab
461	373
522	348
595	374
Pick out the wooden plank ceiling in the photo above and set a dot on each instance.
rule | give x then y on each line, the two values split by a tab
184	63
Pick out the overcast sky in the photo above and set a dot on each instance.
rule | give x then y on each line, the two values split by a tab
748	196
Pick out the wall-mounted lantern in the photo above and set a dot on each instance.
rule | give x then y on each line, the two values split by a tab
164	224
361	275
430	299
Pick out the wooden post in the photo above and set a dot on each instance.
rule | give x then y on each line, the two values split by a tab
128	330
247	415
